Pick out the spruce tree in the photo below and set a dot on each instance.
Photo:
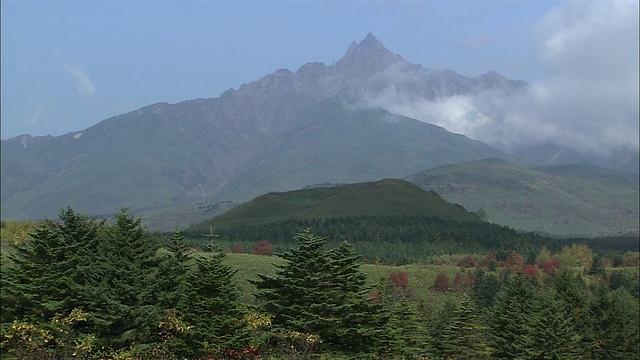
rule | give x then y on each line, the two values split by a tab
555	333
49	274
210	308
322	292
615	325
466	337
122	311
513	316
169	284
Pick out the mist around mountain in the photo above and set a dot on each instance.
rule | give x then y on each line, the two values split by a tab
287	130
166	155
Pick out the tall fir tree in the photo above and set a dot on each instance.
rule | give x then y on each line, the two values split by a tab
555	333
615	325
121	305
210	308
513	316
169	284
49	274
323	293
466	337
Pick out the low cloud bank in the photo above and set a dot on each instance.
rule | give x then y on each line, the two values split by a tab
586	97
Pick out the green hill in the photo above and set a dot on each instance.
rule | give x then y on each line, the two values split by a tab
385	197
563	200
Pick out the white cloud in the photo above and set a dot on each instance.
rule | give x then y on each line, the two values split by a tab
586	98
84	86
34	118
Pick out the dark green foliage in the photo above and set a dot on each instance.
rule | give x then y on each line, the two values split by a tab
210	307
625	282
322	292
573	306
49	274
485	287
555	332
407	327
597	267
121	299
513	319
466	336
168	287
615	325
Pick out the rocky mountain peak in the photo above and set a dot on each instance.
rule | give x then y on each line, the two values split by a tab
366	58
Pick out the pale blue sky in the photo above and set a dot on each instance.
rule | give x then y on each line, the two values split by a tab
66	65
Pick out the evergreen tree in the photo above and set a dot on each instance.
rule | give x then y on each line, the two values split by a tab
122	311
322	292
514	313
466	337
615	325
211	310
597	267
45	284
169	284
554	330
485	287
49	274
574	307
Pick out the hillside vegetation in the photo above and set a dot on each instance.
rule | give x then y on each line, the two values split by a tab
560	200
385	197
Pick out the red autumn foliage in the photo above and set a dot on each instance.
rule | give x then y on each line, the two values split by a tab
263	247
441	283
467	262
399	280
550	267
513	261
491	258
237	249
530	270
463	282
375	297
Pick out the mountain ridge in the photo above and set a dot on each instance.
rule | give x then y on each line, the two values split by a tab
247	141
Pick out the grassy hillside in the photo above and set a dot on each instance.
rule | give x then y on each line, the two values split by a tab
385	197
421	277
571	199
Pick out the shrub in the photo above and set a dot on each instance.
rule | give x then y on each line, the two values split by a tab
263	247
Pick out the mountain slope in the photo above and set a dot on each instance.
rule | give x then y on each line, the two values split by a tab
384	197
336	142
206	149
572	199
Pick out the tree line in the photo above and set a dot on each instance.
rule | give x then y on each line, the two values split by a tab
402	239
84	288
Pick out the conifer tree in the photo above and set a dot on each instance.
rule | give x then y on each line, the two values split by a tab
466	337
169	284
555	333
211	310
574	307
514	313
615	325
322	292
49	274
121	308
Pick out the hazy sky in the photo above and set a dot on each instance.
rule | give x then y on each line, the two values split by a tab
66	65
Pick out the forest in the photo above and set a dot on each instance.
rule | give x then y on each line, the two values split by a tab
84	288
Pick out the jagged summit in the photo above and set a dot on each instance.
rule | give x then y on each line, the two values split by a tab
367	57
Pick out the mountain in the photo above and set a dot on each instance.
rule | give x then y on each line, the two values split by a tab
568	199
384	197
277	133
